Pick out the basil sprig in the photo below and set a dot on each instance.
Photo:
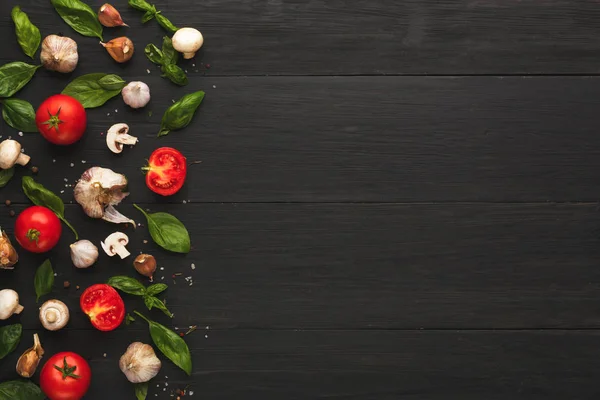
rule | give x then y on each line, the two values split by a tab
167	59
167	231
141	390
6	175
15	75
40	196
19	114
93	90
20	390
170	344
150	12
44	279
79	16
180	114
134	287
28	35
10	336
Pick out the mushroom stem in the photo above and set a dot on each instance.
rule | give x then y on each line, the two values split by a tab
122	251
23	159
19	309
187	56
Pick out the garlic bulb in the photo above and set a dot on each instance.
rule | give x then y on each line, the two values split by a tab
139	363
59	53
120	49
136	94
30	359
83	254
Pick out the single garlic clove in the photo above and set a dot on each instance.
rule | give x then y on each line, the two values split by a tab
30	359
145	264
139	363
136	94
8	254
110	17
83	254
59	53
120	49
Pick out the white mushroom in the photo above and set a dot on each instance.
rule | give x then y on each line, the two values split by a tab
117	136
9	303
115	244
10	154
187	41
54	315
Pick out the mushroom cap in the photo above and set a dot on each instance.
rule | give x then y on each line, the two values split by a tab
9	152
116	238
187	40
97	188
6	296
54	314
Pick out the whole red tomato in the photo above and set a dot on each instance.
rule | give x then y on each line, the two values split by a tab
166	171
61	119
65	376
104	306
37	229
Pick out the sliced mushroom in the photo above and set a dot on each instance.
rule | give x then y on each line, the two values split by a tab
117	136
54	315
115	244
30	359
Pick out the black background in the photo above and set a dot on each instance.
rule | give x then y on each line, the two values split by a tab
395	200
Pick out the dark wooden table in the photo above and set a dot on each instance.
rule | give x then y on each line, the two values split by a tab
396	200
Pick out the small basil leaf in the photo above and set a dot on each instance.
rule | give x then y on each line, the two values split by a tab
129	319
44	279
167	231
15	75
79	16
127	285
141	390
170	344
154	302
175	74
6	175
149	302
28	35
141	5
170	55
148	15
156	289
165	23
180	114
40	196
111	82
19	114
88	90
20	390
154	54
10	336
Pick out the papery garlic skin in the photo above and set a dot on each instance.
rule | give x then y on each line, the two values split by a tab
110	17
30	359
120	49
83	254
139	363
136	94
59	53
8	254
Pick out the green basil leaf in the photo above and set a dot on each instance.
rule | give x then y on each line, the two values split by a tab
170	55
148	15
127	285
149	302
175	74
111	82
44	279
88	90
6	175
170	344
154	302
40	196
10	336
167	231
15	75
141	390
180	114
154	54
79	16
165	23
141	5
156	289
20	390
28	35
19	114
129	319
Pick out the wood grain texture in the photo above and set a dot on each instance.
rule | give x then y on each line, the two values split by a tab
307	139
349	37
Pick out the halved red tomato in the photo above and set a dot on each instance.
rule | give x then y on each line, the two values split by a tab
166	171
104	306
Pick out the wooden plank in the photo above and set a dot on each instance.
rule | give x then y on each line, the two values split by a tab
353	266
337	140
296	37
385	365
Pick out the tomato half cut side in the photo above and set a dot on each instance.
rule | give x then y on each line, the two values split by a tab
166	171
104	306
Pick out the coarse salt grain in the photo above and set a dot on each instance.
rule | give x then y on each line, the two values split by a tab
214	86
66	180
162	268
83	161
148	71
62	191
162	278
55	274
104	355
20	133
53	160
191	392
184	202
193	266
116	110
72	165
166	383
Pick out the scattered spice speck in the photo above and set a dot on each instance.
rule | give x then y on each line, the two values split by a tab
35	170
11	213
66	284
7	202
